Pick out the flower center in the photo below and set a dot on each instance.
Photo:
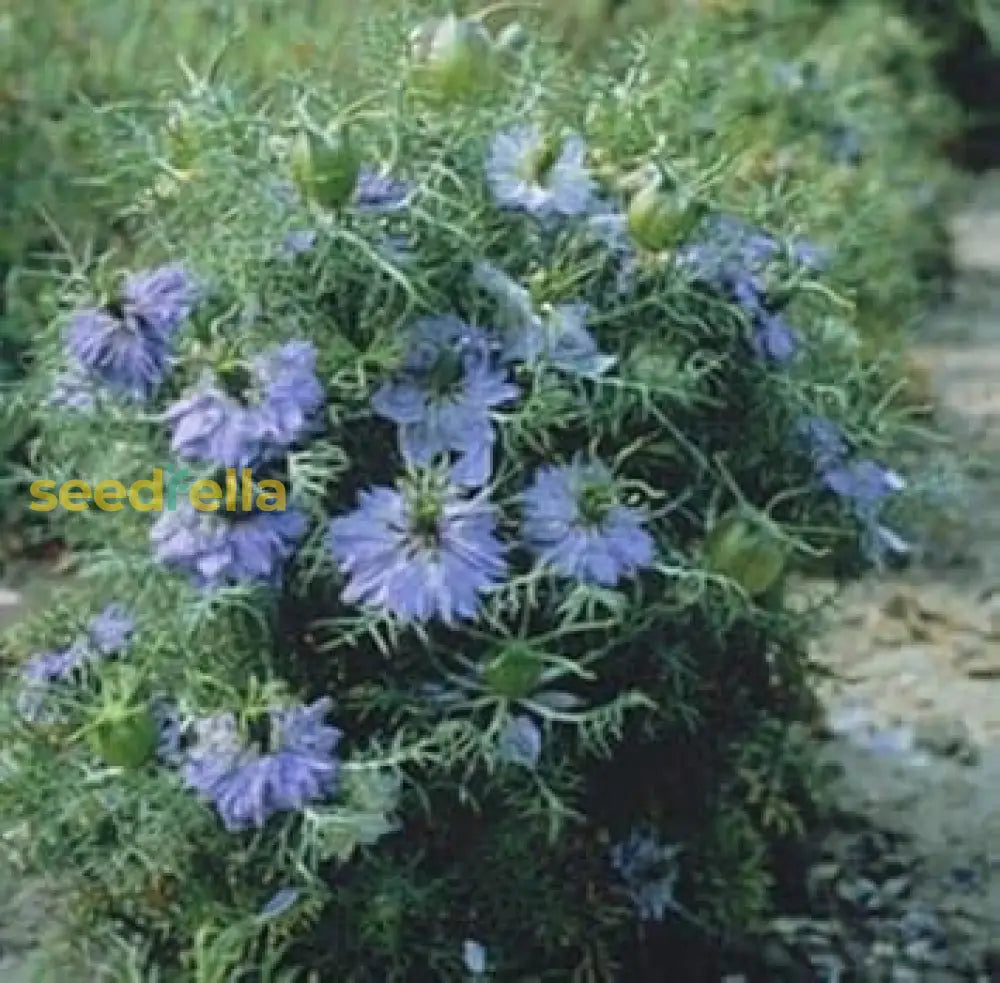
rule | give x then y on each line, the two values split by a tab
445	375
427	513
595	501
261	732
238	381
539	163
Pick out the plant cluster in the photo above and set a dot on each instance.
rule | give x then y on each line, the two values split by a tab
509	689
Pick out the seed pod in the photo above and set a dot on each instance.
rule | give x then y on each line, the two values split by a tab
454	57
325	169
745	550
125	739
514	673
657	218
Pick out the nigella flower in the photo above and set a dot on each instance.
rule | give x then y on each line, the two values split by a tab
419	552
377	192
443	396
520	742
250	782
111	630
527	171
732	257
292	393
161	298
864	485
561	339
774	339
218	548
573	521
650	871
474	957
126	345
276	407
72	390
44	670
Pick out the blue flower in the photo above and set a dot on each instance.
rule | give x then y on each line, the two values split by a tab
864	485
111	630
419	553
732	257
216	549
248	783
127	344
526	171
279	408
161	298
126	356
377	192
774	339
561	339
573	521
443	396
41	672
650	872
474	957
167	718
520	742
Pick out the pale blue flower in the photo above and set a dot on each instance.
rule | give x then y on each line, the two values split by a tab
520	742
474	957
575	524
248	783
560	338
112	629
650	871
521	176
443	396
419	553
217	548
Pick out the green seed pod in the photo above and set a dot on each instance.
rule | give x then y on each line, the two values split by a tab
325	169
515	672
126	738
656	218
745	550
454	57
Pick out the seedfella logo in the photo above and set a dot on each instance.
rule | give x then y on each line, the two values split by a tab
240	494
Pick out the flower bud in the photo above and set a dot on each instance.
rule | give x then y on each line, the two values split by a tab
745	550
124	737
514	673
656	219
454	57
325	169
